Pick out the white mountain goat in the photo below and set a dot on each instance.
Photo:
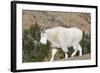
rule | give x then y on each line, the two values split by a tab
61	37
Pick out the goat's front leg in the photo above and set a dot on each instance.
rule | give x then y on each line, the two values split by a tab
65	50
54	50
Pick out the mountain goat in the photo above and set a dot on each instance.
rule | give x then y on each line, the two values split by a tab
61	37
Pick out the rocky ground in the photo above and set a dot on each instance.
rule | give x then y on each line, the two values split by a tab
49	19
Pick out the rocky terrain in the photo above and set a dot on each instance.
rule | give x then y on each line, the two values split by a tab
49	19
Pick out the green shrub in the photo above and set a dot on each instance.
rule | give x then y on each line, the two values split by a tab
33	51
86	43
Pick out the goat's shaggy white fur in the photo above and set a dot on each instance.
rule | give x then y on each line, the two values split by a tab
61	37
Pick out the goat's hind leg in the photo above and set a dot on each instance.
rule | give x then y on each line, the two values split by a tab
80	50
75	50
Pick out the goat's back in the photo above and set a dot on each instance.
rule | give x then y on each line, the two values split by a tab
64	36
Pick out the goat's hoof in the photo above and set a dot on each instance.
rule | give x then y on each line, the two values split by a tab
50	60
80	55
66	57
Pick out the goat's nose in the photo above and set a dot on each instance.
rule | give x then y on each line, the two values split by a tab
42	42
